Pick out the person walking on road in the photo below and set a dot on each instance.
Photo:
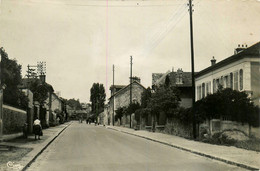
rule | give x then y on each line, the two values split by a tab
37	128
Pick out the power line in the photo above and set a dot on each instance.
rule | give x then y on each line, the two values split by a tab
124	6
138	4
178	16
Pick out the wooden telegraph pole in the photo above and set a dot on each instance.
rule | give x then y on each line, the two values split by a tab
113	116
192	70
131	64
1	95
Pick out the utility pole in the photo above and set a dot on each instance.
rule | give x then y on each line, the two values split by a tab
131	64
192	70
113	117
1	95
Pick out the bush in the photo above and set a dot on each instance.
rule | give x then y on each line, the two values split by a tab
228	103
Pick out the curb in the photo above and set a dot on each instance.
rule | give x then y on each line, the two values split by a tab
192	151
35	157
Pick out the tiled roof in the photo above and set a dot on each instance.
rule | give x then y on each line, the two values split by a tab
156	76
186	79
117	86
126	87
252	51
160	79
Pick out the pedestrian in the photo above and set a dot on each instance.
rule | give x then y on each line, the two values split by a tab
37	128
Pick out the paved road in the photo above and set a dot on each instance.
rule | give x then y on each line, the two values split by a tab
89	147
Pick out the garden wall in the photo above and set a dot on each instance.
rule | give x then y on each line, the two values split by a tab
255	131
216	125
175	127
13	119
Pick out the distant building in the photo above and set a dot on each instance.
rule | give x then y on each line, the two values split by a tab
120	96
240	71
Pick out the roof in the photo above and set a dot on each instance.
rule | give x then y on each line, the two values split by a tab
186	79
156	77
126	88
252	51
26	81
117	86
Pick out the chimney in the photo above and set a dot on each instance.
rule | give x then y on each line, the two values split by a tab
240	48
137	79
213	61
42	78
179	76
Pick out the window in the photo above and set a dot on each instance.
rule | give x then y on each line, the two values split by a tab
236	81
241	79
198	92
226	84
217	84
231	80
214	85
208	87
203	90
222	81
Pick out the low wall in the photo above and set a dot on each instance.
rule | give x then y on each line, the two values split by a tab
235	125
13	119
216	125
255	131
177	128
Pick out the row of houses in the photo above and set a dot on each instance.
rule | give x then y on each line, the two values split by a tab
241	72
53	108
51	112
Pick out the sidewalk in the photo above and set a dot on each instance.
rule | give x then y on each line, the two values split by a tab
37	146
231	155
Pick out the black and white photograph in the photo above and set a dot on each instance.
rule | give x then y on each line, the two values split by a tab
129	85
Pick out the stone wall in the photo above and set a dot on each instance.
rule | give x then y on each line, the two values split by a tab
175	127
13	119
255	132
216	125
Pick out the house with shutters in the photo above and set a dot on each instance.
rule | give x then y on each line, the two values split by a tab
240	72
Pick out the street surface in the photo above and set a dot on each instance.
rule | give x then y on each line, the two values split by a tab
88	147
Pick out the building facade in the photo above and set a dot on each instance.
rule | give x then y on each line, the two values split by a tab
121	97
240	72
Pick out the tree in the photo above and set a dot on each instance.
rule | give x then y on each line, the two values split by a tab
75	104
11	77
40	91
97	98
132	108
165	99
228	103
146	97
119	113
167	81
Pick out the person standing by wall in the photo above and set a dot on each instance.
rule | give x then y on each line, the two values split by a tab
37	128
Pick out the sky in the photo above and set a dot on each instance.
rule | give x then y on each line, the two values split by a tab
80	40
